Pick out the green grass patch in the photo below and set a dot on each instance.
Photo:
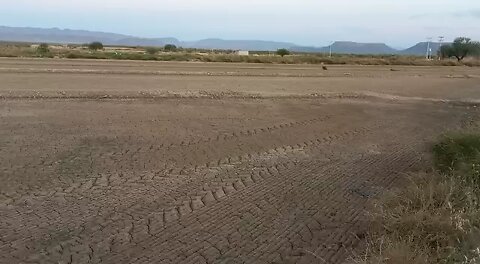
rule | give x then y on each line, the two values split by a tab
459	156
434	217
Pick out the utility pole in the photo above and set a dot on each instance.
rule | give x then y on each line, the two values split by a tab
440	41
429	39
330	48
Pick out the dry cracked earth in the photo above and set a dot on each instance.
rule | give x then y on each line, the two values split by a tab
138	162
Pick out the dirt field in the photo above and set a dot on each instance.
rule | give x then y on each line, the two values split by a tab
139	162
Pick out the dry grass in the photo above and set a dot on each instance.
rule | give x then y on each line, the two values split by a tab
9	50
434	218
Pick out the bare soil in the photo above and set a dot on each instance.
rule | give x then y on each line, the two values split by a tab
148	162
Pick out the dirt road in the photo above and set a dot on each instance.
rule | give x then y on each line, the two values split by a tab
138	162
28	78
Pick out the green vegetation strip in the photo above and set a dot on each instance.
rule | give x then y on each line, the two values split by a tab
96	50
435	218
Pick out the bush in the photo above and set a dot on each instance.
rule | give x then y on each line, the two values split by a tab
283	52
170	47
43	48
95	45
435	218
72	55
152	50
455	152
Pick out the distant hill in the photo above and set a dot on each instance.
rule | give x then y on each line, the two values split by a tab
362	48
154	42
68	36
349	47
237	44
420	49
56	35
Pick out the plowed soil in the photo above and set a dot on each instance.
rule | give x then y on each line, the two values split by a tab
147	162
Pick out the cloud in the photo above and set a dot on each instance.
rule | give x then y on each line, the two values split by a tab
420	16
475	13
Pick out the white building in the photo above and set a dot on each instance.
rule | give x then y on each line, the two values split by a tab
242	52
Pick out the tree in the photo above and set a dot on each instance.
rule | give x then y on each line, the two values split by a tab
283	52
460	48
151	50
95	45
170	47
43	48
445	51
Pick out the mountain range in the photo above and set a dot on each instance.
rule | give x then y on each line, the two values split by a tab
68	36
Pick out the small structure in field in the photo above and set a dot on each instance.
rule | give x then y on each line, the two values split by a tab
242	52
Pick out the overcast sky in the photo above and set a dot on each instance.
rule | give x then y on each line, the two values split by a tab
399	23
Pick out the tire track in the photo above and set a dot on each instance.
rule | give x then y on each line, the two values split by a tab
138	225
190	224
245	194
228	136
236	185
132	154
126	178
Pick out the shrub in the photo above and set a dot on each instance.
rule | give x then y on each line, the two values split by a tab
43	48
283	52
95	45
435	217
151	50
455	152
170	47
72	55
